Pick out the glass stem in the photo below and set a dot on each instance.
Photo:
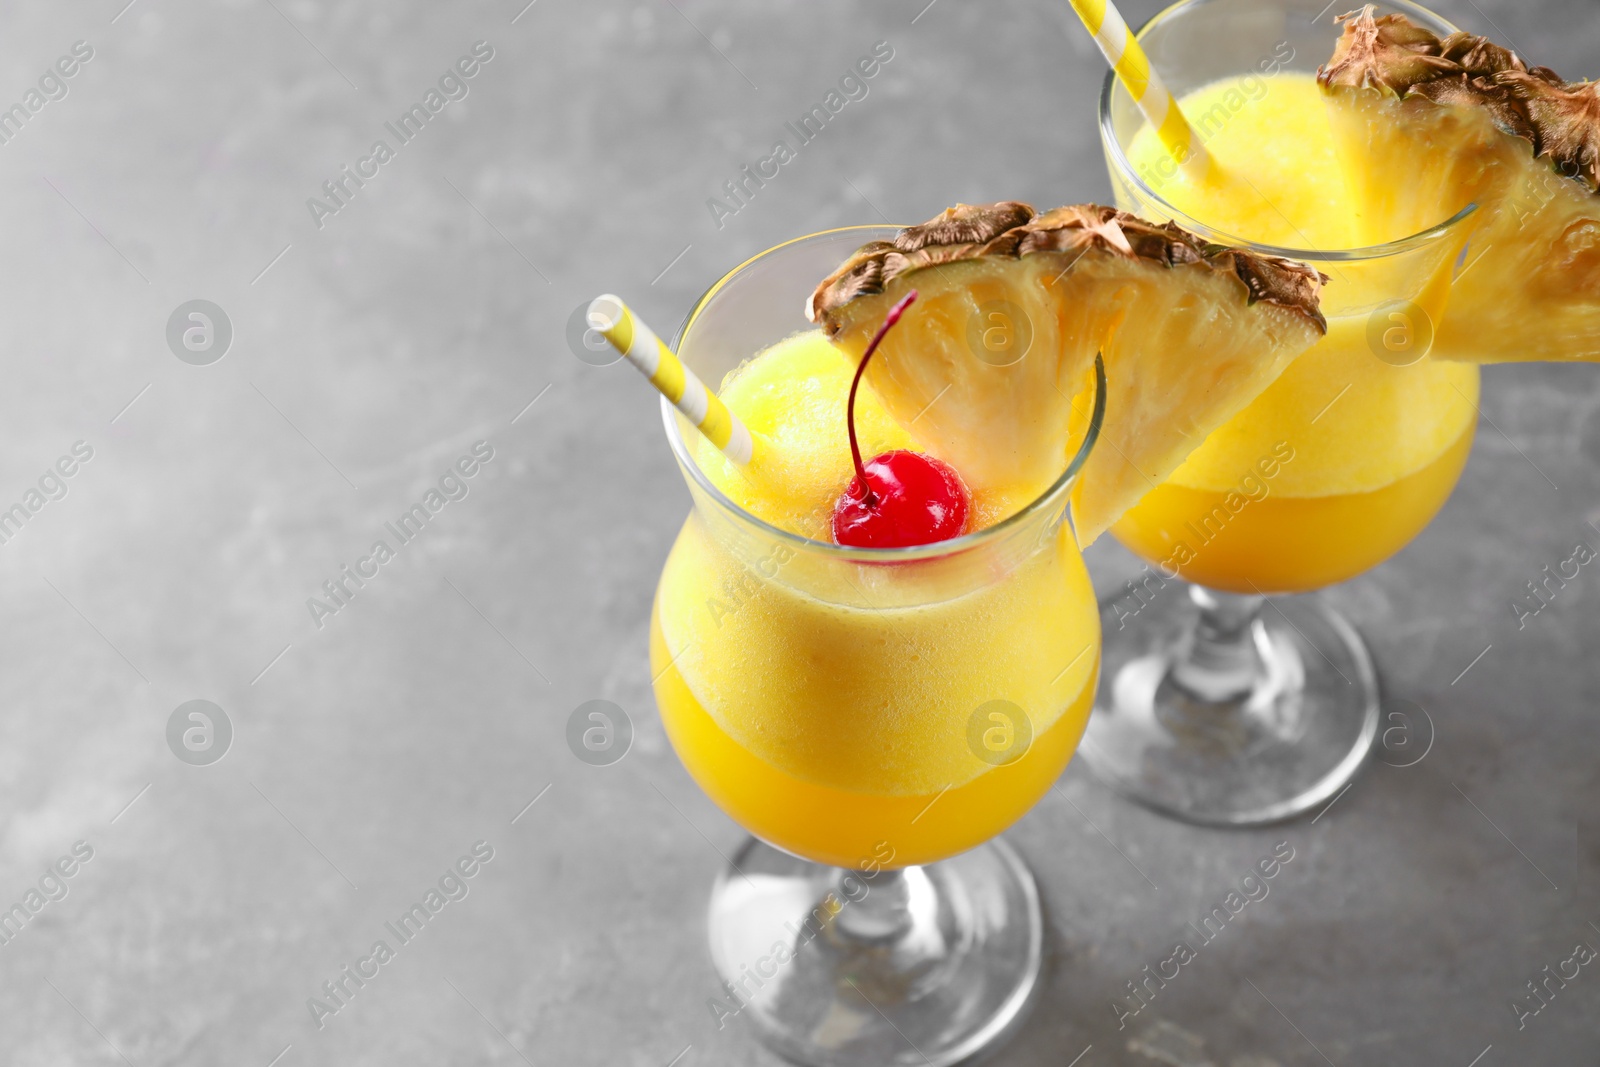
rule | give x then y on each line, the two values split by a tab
876	908
1221	661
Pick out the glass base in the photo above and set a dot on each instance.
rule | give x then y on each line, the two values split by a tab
1222	710
925	966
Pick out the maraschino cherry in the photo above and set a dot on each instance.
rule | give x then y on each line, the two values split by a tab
900	498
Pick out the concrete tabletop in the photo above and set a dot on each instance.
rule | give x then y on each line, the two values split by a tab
410	337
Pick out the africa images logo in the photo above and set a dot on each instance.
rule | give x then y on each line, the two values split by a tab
452	886
453	85
742	188
51	888
53	85
453	485
52	486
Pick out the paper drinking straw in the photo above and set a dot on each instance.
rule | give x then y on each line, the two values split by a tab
611	317
1133	69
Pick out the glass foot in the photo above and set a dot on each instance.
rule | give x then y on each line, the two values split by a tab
923	966
1228	710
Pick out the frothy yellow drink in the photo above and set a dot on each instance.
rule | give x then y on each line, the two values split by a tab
846	711
1348	455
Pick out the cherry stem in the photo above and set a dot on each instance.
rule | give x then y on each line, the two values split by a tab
850	406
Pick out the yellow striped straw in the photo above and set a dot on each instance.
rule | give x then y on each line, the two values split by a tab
636	341
1133	69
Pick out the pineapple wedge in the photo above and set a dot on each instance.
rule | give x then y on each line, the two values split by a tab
1428	125
989	369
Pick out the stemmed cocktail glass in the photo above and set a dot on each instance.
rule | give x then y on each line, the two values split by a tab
1217	704
875	717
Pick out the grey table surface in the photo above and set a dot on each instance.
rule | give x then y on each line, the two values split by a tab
373	346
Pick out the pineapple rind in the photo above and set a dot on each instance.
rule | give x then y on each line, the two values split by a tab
1392	54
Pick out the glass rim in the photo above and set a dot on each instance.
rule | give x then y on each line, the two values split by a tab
1119	161
936	550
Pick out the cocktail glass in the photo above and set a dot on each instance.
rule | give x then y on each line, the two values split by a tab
1223	707
875	718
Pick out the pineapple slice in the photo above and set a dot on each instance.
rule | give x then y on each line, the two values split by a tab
1428	125
989	369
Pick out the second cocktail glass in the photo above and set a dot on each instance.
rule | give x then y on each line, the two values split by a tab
875	717
1222	707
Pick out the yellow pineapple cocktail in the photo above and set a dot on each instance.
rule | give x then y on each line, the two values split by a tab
826	706
874	716
1367	449
1215	707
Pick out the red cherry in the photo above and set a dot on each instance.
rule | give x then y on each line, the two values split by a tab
916	500
901	498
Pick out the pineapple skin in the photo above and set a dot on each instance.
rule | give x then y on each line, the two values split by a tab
1429	125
